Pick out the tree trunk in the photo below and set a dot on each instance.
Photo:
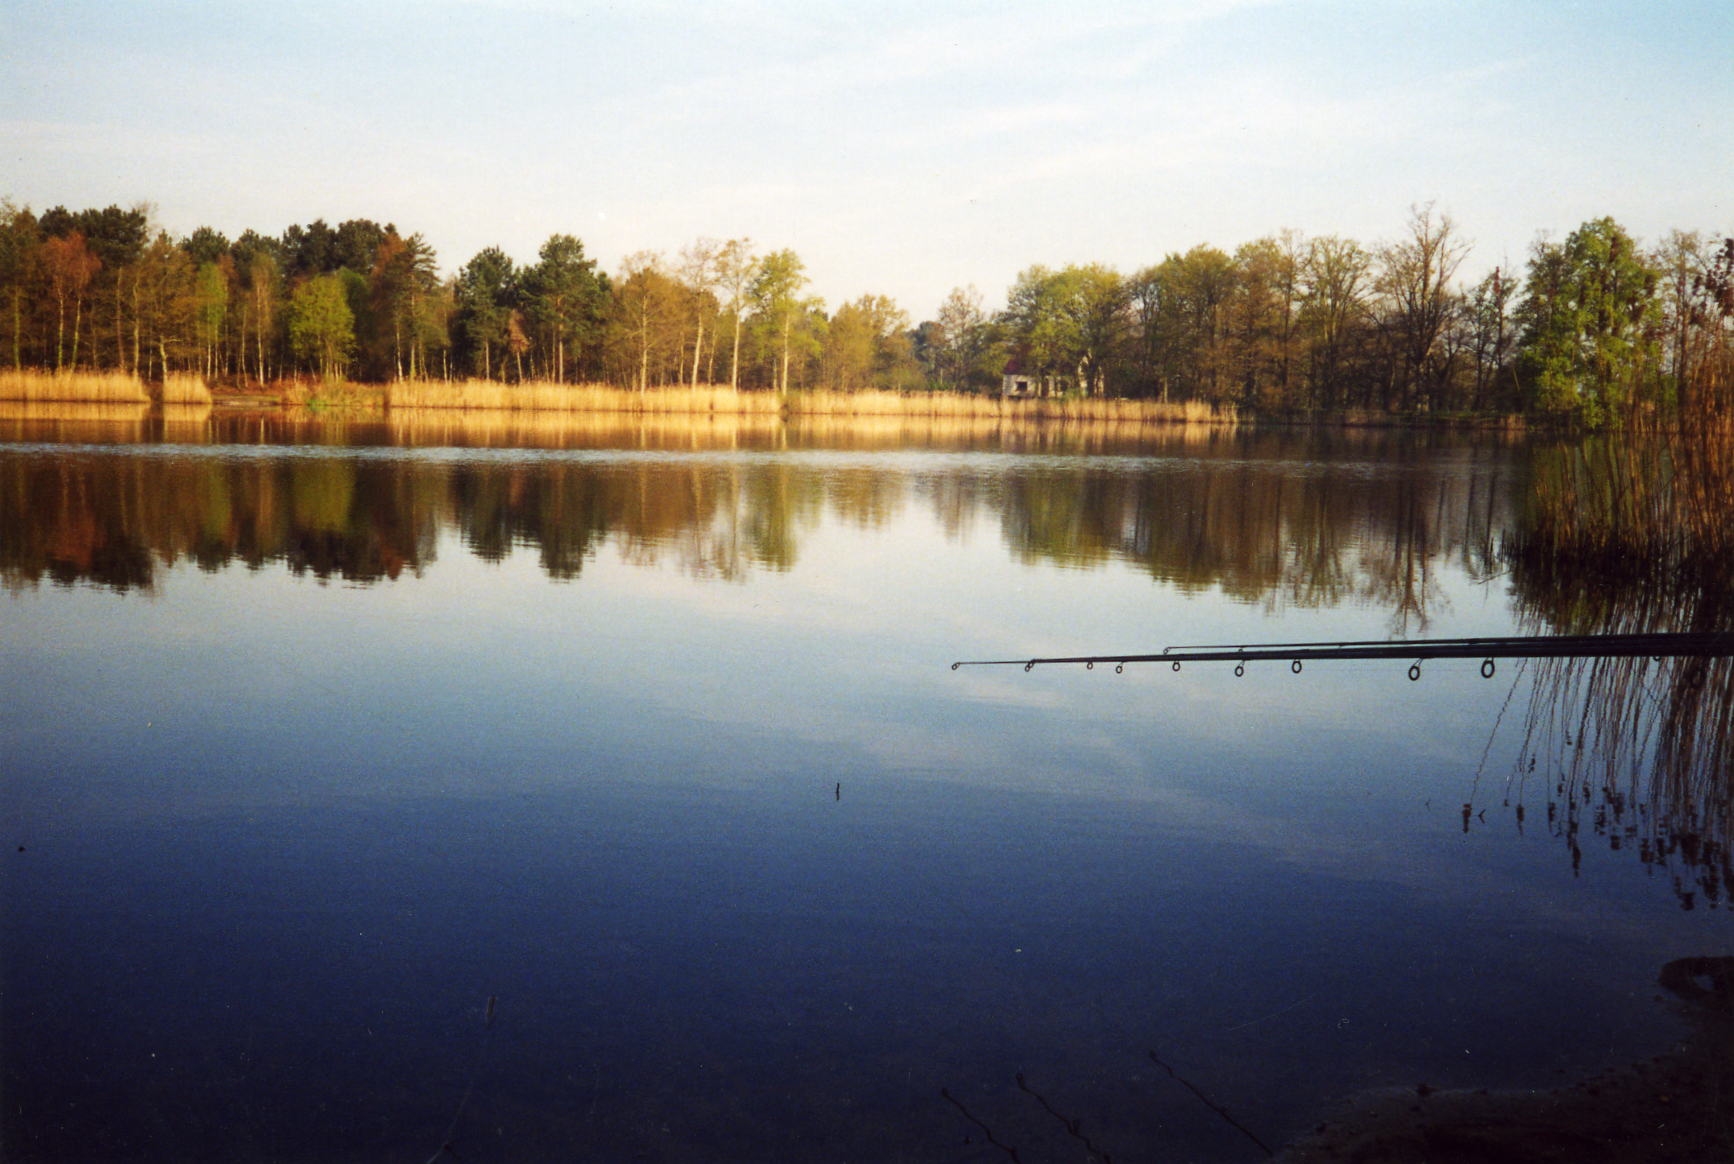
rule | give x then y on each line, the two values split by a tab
783	379
137	329
735	358
697	351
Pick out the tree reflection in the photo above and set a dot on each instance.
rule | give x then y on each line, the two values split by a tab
1251	517
1256	521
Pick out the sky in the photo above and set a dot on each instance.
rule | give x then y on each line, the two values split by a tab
900	149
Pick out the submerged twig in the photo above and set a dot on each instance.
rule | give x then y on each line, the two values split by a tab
972	1118
1212	1105
1074	1127
445	1148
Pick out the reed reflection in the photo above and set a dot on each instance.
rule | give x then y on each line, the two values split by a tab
1622	537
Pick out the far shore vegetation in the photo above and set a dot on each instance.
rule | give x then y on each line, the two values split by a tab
1596	330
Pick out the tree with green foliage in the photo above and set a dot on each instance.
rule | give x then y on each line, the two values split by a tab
117	238
783	316
402	278
321	324
358	293
566	299
1262	318
1070	323
210	310
699	273
260	289
649	310
205	245
487	294
1590	318
19	239
355	243
736	270
867	346
309	250
163	302
962	352
1183	310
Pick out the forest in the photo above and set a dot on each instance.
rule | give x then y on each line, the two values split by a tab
1596	328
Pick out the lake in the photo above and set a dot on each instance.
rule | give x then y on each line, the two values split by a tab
489	791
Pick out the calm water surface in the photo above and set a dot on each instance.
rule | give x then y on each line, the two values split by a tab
614	799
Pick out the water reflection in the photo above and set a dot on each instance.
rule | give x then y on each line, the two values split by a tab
1631	537
1248	517
299	837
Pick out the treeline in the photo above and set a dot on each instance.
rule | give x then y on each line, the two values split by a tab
1595	326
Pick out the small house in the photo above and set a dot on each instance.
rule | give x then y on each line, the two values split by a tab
1019	384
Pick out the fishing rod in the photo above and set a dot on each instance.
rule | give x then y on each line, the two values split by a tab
1700	645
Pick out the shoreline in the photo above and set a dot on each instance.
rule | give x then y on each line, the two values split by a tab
1122	413
1676	1107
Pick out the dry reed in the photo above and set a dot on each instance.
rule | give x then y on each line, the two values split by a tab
84	387
537	395
185	388
717	398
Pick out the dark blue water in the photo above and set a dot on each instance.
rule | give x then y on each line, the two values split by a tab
700	851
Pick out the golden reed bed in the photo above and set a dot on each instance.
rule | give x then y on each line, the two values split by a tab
32	387
709	398
526	428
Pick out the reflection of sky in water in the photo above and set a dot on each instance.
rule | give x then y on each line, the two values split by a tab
750	868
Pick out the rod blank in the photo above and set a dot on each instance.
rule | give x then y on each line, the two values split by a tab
1715	644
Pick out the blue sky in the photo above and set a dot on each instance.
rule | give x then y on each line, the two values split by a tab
899	148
